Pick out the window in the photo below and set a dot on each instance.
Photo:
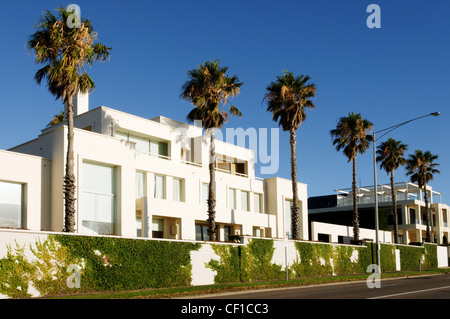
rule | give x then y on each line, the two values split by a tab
140	185
98	199
323	237
160	187
121	136
245	201
11	205
444	218
205	194
424	218
139	225
201	232
257	232
157	228
159	148
227	231
178	190
145	144
141	143
412	216
258	203
287	217
231	198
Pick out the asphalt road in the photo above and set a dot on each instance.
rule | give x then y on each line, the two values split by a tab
422	287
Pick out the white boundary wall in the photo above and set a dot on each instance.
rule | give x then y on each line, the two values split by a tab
201	275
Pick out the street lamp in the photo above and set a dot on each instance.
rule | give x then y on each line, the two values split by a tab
386	130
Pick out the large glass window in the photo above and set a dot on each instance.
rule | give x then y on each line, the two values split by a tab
11	205
227	232
258	203
201	232
145	145
140	193
412	216
160	187
158	228
98	199
287	217
205	194
245	201
159	148
140	185
141	143
231	198
178	190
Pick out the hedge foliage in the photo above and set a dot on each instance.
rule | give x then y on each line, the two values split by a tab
123	264
103	264
238	263
411	256
245	263
110	263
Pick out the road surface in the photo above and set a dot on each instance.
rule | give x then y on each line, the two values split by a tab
420	287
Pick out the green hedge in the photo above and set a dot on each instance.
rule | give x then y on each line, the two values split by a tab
316	259
252	262
104	263
245	263
410	256
110	263
121	264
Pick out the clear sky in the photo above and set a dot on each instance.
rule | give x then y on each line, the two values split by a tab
389	75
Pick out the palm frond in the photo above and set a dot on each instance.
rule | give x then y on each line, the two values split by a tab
207	89
287	99
64	51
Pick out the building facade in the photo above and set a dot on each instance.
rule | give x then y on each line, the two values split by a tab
338	208
137	177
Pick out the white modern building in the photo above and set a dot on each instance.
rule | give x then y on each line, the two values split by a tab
140	177
337	209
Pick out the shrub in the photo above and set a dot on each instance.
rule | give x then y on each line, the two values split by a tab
105	263
245	263
120	263
15	273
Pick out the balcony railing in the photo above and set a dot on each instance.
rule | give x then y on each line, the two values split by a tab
369	199
195	164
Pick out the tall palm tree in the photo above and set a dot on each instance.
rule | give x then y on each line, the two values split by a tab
208	88
390	156
352	136
64	52
287	99
57	118
421	167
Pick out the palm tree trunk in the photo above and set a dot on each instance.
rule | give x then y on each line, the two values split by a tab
427	216
355	205
69	178
212	228
295	222
394	205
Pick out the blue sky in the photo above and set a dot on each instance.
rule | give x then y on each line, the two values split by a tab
389	75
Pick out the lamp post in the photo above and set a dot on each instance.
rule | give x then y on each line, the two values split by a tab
386	130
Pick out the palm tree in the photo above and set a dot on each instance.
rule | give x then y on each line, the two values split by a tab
64	52
57	118
421	167
352	136
287	99
208	88
390	155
